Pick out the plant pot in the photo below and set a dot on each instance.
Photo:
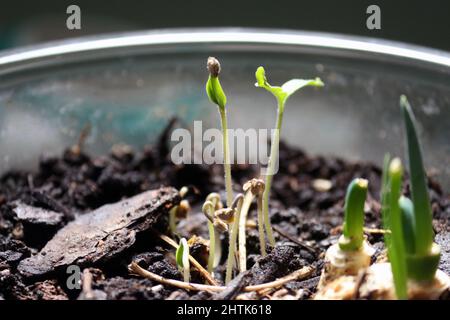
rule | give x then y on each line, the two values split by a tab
126	88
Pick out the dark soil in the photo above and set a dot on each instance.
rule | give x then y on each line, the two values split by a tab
35	205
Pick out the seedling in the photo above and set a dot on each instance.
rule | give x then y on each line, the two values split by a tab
182	258
217	96
423	257
179	211
231	216
253	188
222	220
281	94
353	233
211	205
352	253
413	255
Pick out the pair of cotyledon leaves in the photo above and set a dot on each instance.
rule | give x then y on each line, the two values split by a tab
217	96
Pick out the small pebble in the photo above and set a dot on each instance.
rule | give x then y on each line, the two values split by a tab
322	185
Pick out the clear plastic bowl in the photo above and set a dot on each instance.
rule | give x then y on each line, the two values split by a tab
127	86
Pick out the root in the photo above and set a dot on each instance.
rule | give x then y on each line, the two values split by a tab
300	274
134	268
294	240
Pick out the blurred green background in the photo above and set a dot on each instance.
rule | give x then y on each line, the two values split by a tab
425	23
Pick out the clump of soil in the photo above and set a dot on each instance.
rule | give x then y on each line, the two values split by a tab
306	211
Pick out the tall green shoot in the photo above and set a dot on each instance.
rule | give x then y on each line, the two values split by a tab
281	94
218	97
419	190
392	219
424	260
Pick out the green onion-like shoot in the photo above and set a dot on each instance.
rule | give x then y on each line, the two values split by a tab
353	233
392	219
281	94
424	260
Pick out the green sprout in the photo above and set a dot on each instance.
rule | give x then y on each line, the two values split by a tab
217	96
281	94
352	253
182	259
353	233
423	260
211	205
392	219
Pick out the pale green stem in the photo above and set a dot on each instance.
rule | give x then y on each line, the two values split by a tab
212	245
270	172
186	271
217	249
215	200
242	222
208	211
226	155
232	244
262	241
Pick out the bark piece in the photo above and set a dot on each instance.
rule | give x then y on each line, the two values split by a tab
35	215
39	224
101	234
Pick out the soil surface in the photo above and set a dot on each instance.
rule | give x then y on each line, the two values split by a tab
69	190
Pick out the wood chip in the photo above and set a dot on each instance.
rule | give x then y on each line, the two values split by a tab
101	234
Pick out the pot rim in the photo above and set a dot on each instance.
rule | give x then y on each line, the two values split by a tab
85	48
